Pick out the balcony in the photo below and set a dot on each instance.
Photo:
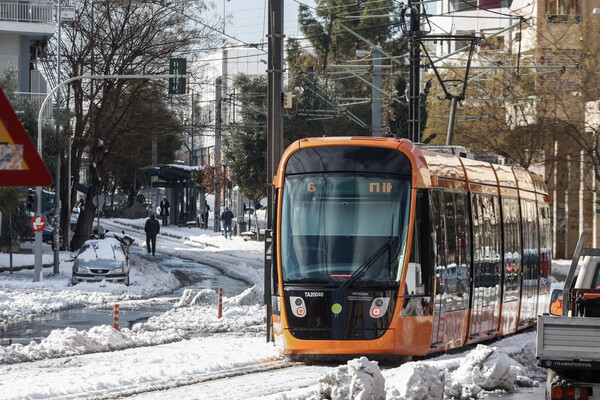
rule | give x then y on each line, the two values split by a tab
26	11
32	101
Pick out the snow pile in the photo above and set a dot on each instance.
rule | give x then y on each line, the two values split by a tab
509	364
71	342
416	381
484	369
191	298
359	379
197	312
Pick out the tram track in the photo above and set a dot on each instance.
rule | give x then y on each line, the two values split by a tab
199	381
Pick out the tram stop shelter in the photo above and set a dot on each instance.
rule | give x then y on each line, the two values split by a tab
181	190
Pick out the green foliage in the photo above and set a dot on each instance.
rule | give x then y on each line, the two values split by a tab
19	229
246	152
371	20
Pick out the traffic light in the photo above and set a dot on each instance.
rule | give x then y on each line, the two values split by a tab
30	202
229	185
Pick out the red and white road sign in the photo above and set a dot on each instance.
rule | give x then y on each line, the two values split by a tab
38	223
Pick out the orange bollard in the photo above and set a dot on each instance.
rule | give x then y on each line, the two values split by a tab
116	317
220	302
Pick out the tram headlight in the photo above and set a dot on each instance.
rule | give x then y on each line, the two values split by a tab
379	307
298	306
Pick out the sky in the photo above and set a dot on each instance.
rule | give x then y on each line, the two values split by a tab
247	20
190	344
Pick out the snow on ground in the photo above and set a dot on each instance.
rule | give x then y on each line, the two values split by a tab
188	342
21	298
235	257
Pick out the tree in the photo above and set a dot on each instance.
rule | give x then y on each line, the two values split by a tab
372	20
245	152
118	37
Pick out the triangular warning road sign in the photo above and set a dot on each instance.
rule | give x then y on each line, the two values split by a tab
20	163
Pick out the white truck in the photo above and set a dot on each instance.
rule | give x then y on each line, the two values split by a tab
568	338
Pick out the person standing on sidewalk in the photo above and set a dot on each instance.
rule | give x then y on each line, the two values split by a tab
164	211
152	228
227	216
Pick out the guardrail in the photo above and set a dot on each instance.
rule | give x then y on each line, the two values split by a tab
26	12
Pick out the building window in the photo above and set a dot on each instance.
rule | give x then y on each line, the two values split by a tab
558	11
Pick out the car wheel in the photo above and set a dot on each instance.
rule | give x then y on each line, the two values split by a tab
127	281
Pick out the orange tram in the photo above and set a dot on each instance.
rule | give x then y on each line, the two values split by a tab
380	247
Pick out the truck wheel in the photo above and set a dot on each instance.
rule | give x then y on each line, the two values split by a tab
550	375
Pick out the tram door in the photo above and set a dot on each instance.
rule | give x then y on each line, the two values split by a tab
485	309
530	275
452	288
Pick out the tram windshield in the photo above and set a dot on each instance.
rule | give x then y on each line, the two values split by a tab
344	229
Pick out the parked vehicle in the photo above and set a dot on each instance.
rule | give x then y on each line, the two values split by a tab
103	259
568	338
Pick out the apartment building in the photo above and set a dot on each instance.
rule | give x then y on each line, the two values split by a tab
25	28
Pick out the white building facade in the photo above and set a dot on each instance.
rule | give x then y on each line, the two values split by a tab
25	28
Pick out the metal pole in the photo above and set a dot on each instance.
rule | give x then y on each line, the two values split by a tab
376	95
69	206
414	96
57	202
11	241
218	94
450	135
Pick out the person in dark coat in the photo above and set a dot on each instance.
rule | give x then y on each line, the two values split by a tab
152	228
164	211
227	216
206	211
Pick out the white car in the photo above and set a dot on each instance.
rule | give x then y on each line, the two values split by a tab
103	259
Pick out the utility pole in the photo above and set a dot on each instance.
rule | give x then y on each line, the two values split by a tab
376	95
57	201
414	93
274	142
218	97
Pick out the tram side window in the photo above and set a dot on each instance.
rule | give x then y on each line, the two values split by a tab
462	241
545	241
530	243
421	264
438	221
512	246
486	231
450	244
477	237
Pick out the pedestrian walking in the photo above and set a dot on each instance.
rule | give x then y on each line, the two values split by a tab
164	211
227	216
206	211
151	228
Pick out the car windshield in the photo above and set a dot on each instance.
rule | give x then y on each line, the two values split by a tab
336	224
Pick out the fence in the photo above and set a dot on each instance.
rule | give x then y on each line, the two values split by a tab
26	11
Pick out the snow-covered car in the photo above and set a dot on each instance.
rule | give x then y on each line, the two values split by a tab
103	259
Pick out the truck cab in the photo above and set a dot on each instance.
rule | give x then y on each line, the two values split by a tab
568	337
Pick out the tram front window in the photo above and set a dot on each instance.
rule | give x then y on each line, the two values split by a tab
334	225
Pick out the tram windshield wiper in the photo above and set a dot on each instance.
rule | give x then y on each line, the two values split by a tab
364	267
